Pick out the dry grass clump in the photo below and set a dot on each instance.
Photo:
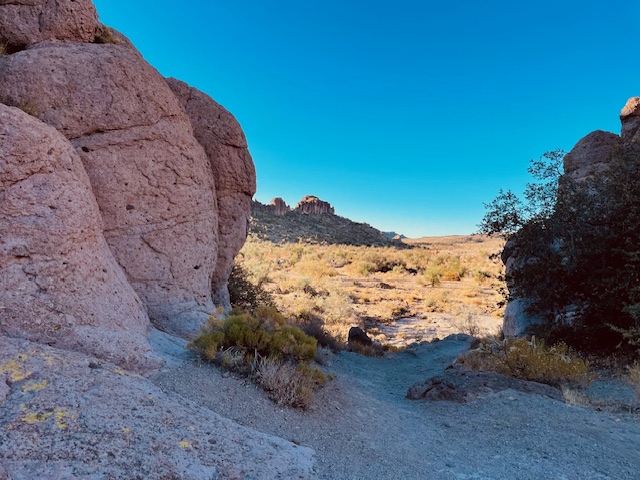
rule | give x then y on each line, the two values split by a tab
529	360
105	35
4	49
633	377
286	385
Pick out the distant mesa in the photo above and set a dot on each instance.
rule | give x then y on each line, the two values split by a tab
314	206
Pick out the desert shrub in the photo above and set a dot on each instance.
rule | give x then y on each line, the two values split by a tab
105	35
244	294
276	353
432	275
453	270
286	384
314	327
529	360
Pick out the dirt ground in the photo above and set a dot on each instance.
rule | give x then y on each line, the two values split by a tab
362	426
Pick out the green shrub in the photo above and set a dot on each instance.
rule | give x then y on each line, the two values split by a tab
245	295
264	345
529	360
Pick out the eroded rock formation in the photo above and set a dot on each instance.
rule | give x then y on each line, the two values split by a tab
280	207
59	282
314	206
173	186
233	172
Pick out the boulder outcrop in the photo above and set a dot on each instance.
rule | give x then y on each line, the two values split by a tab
59	282
234	176
152	179
28	22
590	155
314	206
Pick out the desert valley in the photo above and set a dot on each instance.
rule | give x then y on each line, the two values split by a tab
157	321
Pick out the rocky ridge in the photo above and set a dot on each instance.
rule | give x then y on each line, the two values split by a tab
303	225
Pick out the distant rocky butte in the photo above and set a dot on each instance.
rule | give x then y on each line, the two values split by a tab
314	206
592	154
124	197
279	206
312	220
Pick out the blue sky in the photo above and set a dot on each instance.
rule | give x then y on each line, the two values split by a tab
407	115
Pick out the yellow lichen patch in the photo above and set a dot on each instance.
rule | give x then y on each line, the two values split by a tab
119	371
36	417
185	444
48	359
60	414
126	430
10	426
34	386
15	371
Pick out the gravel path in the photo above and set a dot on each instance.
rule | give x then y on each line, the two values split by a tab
362	427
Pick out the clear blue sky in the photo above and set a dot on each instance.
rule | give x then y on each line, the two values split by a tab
407	115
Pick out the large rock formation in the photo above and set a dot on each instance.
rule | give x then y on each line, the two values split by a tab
28	22
59	282
590	155
152	179
314	206
233	172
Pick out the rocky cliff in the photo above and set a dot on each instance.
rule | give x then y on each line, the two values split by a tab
124	197
590	156
314	206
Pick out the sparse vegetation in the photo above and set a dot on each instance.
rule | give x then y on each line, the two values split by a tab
529	360
264	346
29	107
325	289
105	35
4	49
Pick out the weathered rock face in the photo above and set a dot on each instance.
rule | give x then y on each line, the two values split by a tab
315	206
27	22
60	284
234	175
590	155
280	207
151	178
630	119
66	415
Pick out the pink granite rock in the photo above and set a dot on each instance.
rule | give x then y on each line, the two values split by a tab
234	176
630	119
151	178
59	283
26	22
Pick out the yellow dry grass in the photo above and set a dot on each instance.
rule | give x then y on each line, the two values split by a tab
370	286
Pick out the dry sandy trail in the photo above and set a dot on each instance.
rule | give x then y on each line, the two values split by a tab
363	427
